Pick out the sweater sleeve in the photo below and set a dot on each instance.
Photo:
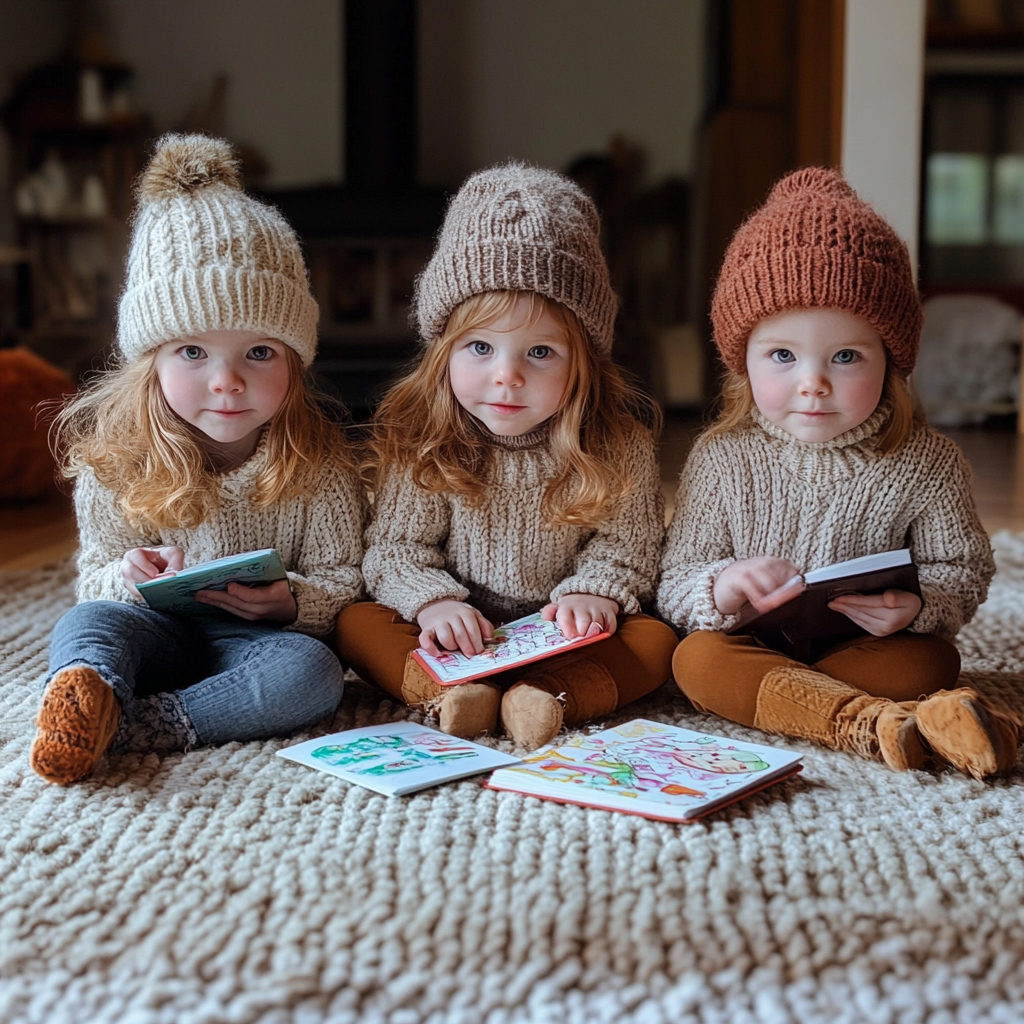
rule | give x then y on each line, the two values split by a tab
327	578
697	547
404	562
103	538
951	548
620	560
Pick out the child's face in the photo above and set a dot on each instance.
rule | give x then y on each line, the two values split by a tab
227	384
816	373
510	375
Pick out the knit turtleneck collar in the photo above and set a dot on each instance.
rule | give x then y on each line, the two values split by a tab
518	442
865	431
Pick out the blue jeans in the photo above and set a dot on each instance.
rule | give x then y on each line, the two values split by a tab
236	680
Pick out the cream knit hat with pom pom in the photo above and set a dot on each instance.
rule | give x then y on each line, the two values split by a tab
205	256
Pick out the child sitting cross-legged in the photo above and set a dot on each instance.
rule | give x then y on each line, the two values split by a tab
818	457
514	473
204	441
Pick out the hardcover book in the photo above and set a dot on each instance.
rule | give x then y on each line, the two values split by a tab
530	638
806	623
397	758
646	768
175	592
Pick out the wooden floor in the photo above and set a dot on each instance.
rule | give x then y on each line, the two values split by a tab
34	534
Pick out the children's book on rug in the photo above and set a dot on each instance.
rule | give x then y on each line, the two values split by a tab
647	768
516	643
176	592
807	620
396	758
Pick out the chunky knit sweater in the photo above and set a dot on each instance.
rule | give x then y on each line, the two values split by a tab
502	557
757	491
319	538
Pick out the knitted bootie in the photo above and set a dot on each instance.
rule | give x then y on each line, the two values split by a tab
469	709
811	705
972	733
76	722
536	708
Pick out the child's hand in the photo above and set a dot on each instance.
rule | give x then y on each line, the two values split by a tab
763	582
142	564
273	603
879	614
452	625
579	615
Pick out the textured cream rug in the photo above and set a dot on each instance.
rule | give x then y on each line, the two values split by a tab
226	885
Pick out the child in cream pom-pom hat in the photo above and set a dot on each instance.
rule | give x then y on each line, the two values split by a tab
204	441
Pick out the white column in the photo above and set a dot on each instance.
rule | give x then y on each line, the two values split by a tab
882	107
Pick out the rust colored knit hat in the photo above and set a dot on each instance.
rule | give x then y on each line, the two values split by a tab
519	228
815	243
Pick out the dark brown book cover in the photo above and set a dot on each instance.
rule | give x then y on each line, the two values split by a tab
806	625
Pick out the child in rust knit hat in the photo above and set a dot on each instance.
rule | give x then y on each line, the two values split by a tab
818	457
514	474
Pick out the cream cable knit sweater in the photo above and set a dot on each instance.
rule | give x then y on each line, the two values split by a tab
318	537
757	491
502	557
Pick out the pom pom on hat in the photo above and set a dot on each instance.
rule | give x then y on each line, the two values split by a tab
183	164
205	256
816	244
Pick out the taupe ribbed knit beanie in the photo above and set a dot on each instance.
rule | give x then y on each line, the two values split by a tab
205	256
519	228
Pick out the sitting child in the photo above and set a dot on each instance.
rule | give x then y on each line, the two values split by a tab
514	472
818	457
204	441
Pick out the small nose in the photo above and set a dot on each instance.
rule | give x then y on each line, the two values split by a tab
507	371
815	383
226	379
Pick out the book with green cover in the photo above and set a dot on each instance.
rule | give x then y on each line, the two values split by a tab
176	592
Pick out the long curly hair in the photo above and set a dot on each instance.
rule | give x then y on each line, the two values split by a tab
121	427
420	425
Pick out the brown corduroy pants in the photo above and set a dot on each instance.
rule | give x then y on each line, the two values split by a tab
723	674
376	641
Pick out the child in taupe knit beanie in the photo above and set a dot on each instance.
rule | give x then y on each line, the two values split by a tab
817	458
203	442
513	475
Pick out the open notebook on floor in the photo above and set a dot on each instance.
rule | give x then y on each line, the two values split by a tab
647	768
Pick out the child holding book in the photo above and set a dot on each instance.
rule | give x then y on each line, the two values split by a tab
817	457
514	471
204	441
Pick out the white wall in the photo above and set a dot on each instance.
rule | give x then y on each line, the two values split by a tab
882	108
284	64
546	80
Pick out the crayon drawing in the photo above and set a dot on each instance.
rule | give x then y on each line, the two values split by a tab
372	755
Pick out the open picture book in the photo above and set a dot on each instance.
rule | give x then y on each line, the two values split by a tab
647	768
795	627
397	758
176	592
530	638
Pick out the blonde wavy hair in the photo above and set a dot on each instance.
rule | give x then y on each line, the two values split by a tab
421	426
122	428
737	399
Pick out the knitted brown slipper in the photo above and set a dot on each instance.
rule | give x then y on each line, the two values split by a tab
76	723
469	709
971	732
899	741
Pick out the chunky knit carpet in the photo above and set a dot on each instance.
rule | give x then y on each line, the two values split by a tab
228	885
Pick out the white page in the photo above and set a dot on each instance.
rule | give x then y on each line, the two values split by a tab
857	566
396	758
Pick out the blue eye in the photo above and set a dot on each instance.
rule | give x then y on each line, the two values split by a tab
480	348
783	355
540	352
192	352
260	353
845	357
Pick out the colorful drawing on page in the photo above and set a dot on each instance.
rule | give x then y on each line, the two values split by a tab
415	750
